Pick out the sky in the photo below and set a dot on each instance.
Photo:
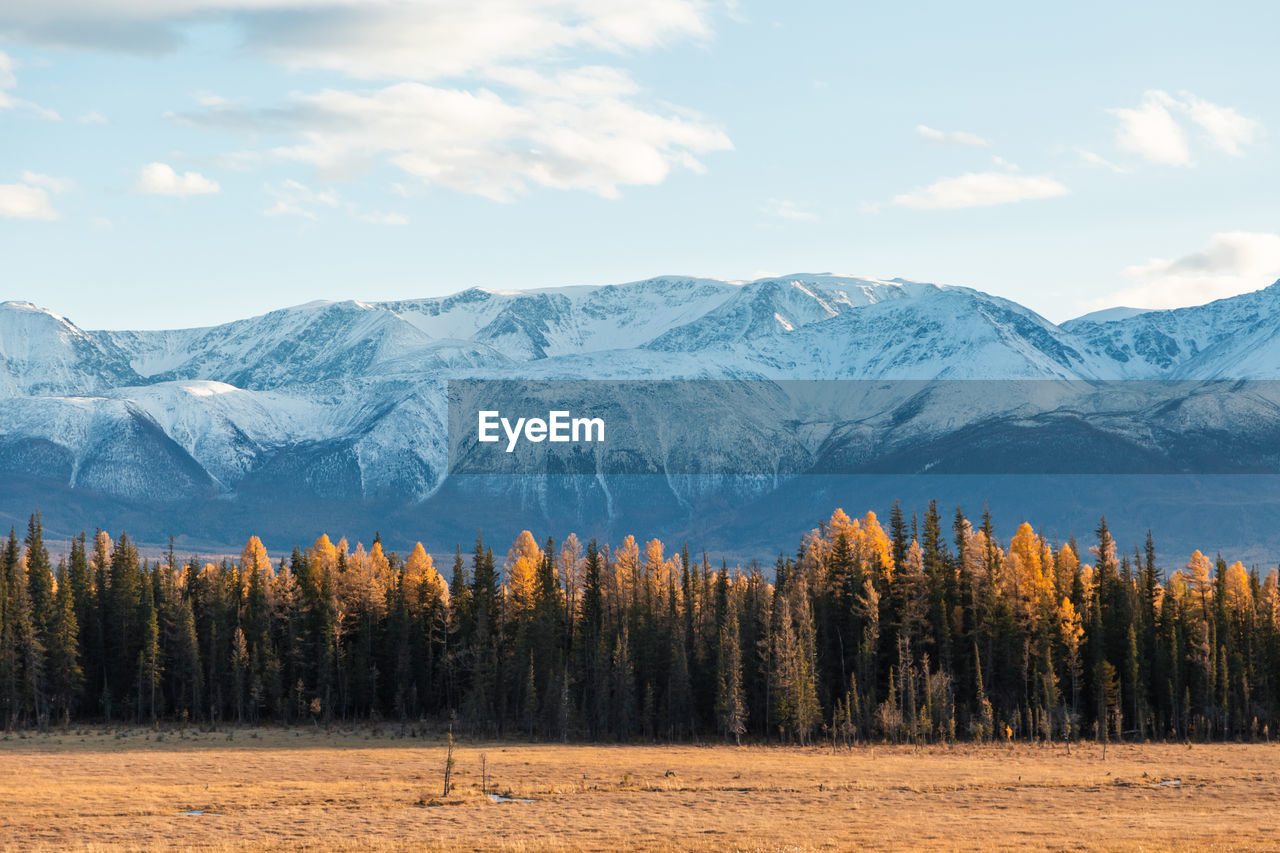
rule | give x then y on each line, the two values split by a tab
168	163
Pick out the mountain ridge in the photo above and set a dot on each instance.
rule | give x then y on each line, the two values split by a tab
343	401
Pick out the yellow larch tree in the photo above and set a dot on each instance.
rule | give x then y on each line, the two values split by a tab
522	571
323	555
874	546
626	569
1065	564
653	575
1026	580
1199	569
1239	593
422	583
254	561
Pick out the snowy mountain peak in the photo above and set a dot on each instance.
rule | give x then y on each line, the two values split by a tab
344	402
1106	315
44	353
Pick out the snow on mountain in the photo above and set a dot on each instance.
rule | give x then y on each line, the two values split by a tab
293	346
43	353
560	321
1231	338
919	331
99	445
769	306
1105	315
345	401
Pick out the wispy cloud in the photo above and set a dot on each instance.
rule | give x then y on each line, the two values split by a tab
237	161
1233	262
161	179
1226	129
379	40
293	198
9	82
1095	159
1156	129
25	201
92	117
789	210
1151	132
981	189
48	182
956	137
578	129
486	97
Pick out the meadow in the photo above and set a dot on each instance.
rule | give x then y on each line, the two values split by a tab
379	789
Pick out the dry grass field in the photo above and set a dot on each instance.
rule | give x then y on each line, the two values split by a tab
287	789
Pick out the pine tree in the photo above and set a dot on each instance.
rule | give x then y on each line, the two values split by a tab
149	669
123	640
730	704
20	652
63	653
624	689
40	595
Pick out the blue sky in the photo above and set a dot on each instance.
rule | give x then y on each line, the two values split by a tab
193	161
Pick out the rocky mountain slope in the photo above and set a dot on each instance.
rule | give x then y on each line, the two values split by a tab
333	413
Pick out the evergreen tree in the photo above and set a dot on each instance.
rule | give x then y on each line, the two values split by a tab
63	653
730	704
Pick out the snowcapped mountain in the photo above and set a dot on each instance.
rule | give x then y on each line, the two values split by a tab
309	415
1234	338
42	353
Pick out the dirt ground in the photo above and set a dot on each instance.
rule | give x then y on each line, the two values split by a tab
297	789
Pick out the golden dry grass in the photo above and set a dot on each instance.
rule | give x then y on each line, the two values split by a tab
273	789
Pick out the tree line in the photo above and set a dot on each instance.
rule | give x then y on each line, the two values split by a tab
910	634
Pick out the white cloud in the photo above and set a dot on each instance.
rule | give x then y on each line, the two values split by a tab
9	80
1005	164
575	130
161	179
1155	130
292	198
1151	132
981	189
487	96
237	161
1095	159
21	201
92	117
1227	129
30	198
48	182
411	39
1234	262
958	137
789	210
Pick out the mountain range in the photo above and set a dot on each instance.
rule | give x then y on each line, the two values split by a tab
331	415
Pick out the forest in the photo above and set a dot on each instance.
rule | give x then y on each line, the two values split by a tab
910	634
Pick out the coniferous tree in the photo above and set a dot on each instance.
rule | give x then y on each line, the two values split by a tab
897	635
63	653
730	703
